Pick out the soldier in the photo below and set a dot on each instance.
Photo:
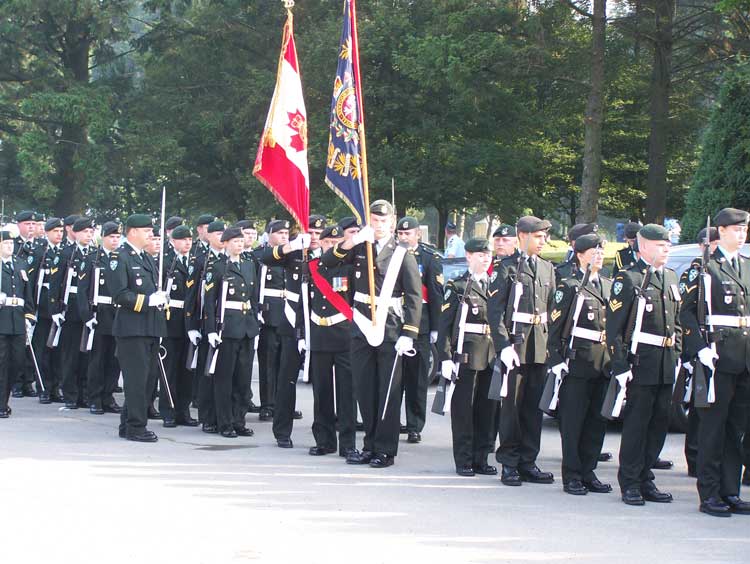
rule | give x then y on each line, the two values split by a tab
378	367
578	354
649	372
416	369
627	256
725	354
16	316
26	223
454	245
139	324
473	414
231	326
170	224
97	313
524	362
330	345
505	242
250	236
201	228
569	266
70	238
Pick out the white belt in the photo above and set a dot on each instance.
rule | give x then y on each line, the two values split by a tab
589	334
424	301
179	304
107	300
14	302
45	285
327	321
655	340
477	328
239	306
728	320
284	294
530	318
73	290
365	299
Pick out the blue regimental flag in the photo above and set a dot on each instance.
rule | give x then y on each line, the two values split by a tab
344	165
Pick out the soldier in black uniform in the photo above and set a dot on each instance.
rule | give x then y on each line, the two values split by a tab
416	369
250	236
201	228
569	266
70	238
627	256
723	424
231	326
473	414
504	242
139	324
377	366
97	312
26	223
16	317
579	355
524	363
649	374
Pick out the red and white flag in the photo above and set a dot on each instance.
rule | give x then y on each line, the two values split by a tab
281	162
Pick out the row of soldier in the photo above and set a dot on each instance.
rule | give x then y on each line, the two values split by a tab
224	300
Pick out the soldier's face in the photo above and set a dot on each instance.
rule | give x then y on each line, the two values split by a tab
55	236
84	237
381	224
479	262
595	257
182	246
250	235
139	237
408	236
111	242
214	239
654	252
202	231
26	229
39	228
315	238
280	237
235	246
534	242
349	233
732	237
504	246
6	248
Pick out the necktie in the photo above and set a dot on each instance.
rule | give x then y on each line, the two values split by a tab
483	284
532	265
184	262
736	265
658	276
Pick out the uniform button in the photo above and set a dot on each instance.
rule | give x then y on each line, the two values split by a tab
744	333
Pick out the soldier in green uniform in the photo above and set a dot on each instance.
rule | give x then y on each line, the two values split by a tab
569	266
627	256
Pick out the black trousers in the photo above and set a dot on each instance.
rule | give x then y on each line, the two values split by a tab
231	384
414	384
137	356
286	387
644	430
206	404
582	428
11	359
331	373
269	348
49	359
720	433
25	375
74	362
103	370
180	380
473	417
250	370
746	446
372	368
691	439
520	417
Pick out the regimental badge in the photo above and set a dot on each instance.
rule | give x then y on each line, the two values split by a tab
191	269
493	277
683	287
295	276
57	260
692	275
101	281
268	276
649	307
617	288
558	295
112	264
728	299
590	316
447	294
30	260
231	291
138	282
209	276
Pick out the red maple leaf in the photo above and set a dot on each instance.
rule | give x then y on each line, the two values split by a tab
298	123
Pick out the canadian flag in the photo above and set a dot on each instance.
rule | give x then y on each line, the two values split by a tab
281	162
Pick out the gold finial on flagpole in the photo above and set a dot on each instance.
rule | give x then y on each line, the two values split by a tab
288	4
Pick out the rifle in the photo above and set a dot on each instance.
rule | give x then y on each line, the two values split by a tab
703	381
87	335
53	339
213	352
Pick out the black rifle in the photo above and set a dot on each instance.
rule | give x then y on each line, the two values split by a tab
702	375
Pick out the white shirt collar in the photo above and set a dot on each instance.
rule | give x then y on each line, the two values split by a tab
729	256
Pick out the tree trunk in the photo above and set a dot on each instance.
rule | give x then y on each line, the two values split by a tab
594	120
656	180
442	221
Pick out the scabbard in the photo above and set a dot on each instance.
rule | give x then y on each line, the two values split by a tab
610	398
496	383
547	394
701	385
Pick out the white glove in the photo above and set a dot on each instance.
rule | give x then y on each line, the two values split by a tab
301	242
707	355
214	340
29	328
301	345
260	318
157	299
509	357
446	369
558	369
688	366
366	234
58	319
3	297
624	378
404	345
91	323
433	337
195	337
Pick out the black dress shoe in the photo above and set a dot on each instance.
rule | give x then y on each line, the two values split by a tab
112	408
357	457
244	431
145	437
187	422
402	430
153	414
71	405
510	476
381	460
414	438
484	469
284	443
605	457
662	464
575	487
736	505
320	451
29	392
44	398
595	486
4	413
651	493
56	398
211	429
632	496
265	414
229	434
534	475
95	409
297	415
465	470
252	408
170	423
746	477
17	392
344	453
715	507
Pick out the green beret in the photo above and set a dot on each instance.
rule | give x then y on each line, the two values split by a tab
348	222
587	241
25	215
231	233
83	223
631	229
504	230
477	245
277	225
110	228
181	232
71	219
246	224
317	222
6	236
39	216
139	220
654	232
332	231
731	216
381	207
53	223
205	219
406	223
532	224
173	222
581	229
216	226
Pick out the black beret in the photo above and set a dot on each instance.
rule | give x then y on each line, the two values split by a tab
477	245
6	235
450	226
581	229
139	220
205	219
110	228
155	231
504	230
532	224
702	235
731	216
38	216
631	229
83	223
25	215
654	232
231	233
317	222
587	241
181	232
53	223
331	231
216	226
381	207
173	222
277	225
247	224
71	219
348	222
407	222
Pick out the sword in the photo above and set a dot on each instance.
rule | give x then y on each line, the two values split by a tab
412	352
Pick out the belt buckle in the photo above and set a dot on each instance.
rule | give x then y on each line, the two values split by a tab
245	307
14	301
323	322
536	319
668	341
743	322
